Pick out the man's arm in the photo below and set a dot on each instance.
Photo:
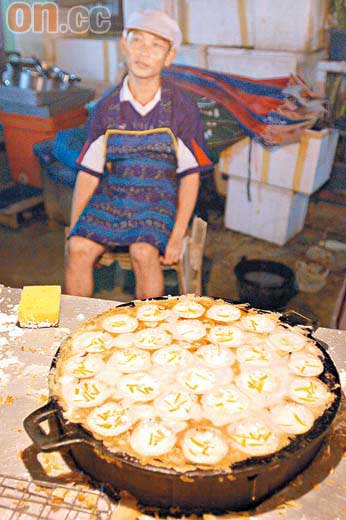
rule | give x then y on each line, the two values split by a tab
85	186
187	197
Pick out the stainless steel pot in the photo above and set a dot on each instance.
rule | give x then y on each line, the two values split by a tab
28	79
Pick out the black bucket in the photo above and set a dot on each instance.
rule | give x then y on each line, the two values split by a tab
265	284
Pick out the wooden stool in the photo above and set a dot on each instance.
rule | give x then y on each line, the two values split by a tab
189	267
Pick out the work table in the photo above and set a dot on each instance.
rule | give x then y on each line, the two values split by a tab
319	493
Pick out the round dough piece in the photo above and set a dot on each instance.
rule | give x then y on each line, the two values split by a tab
172	357
84	366
255	355
292	418
225	404
204	445
139	387
306	365
215	356
226	336
120	323
254	437
151	312
309	391
257	383
224	312
189	330
86	394
259	323
110	419
152	439
175	405
152	339
92	342
130	360
287	341
197	380
188	309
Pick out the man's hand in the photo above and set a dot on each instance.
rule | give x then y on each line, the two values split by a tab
187	196
173	251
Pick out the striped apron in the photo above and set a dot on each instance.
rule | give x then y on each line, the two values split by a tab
137	196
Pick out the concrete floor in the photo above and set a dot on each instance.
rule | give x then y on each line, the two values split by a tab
34	254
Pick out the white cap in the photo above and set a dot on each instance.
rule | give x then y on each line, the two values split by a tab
155	22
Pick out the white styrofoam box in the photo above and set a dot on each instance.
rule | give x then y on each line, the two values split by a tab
255	63
194	55
303	166
273	214
29	44
290	25
90	58
41	45
171	7
218	22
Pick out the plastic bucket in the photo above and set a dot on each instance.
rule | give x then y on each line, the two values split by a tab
265	284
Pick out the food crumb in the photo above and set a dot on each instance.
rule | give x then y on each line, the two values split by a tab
53	463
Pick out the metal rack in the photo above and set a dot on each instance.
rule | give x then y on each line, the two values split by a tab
28	499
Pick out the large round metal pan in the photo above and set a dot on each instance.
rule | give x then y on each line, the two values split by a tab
241	487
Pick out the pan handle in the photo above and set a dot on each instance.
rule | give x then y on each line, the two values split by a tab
295	318
50	441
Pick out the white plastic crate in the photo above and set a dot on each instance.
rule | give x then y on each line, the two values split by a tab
218	22
273	214
290	25
193	55
90	58
303	166
255	63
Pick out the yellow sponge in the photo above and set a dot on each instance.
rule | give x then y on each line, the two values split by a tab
39	306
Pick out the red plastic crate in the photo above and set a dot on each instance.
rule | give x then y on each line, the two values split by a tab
22	132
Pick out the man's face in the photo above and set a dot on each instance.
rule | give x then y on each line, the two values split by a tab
146	54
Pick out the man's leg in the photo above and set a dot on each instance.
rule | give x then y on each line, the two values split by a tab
147	268
79	269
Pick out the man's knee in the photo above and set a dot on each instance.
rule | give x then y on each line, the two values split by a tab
143	254
83	251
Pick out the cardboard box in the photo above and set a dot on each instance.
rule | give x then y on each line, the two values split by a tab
302	167
273	214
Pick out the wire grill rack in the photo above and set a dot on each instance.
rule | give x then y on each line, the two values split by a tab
22	499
